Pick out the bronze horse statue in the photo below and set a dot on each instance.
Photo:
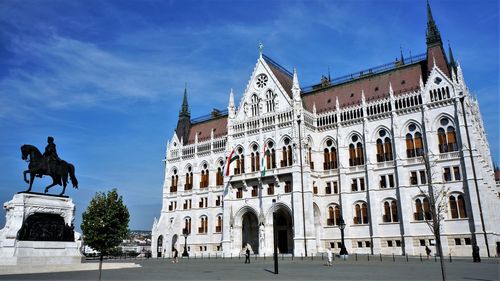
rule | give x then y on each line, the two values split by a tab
38	167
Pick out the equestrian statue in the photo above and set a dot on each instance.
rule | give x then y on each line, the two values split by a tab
48	164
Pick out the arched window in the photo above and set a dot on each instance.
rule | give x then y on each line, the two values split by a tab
270	156
255	105
311	162
330	156
218	226
457	206
187	226
384	146
333	215
446	136
453	207
189	179
427	209
286	158
422	210
240	162
270	101
414	145
390	211
174	181
356	154
419	212
159	246
361	211
255	158
219	178
203	228
204	176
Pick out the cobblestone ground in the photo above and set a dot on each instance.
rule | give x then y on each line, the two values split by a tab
297	269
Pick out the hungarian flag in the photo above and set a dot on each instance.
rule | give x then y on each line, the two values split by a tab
230	159
265	152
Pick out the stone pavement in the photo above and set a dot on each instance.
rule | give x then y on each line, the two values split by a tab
297	269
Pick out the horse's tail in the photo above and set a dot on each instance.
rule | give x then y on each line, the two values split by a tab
71	171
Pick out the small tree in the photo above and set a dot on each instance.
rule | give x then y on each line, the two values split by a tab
437	194
105	223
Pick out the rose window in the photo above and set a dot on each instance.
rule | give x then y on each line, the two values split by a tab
261	81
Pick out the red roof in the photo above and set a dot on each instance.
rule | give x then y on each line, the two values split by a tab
204	129
403	79
284	77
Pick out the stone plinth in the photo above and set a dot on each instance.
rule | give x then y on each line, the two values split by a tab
43	239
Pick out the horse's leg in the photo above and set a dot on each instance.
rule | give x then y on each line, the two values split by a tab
32	178
24	175
64	189
53	183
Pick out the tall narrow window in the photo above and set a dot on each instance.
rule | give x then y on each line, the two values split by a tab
446	136
329	156
453	207
384	147
419	212
414	146
461	206
218	226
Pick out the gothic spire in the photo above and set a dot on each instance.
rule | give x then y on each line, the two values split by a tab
433	36
185	107
453	65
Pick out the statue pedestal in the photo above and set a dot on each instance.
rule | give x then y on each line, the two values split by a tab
38	231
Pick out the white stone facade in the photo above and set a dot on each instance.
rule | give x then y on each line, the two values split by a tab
387	185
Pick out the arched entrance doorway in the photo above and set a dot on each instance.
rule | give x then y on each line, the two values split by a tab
159	246
174	242
284	231
250	231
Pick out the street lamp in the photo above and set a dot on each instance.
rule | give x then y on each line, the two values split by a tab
343	250
275	239
185	234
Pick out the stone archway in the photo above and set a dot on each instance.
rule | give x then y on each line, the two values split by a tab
284	230
250	231
159	246
174	242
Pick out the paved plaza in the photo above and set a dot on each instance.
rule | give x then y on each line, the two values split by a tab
297	269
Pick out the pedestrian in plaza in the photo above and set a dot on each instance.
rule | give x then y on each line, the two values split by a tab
247	256
428	252
475	253
329	255
176	256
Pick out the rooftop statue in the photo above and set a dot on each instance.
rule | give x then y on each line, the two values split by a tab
48	164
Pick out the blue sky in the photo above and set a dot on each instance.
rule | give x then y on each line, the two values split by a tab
106	78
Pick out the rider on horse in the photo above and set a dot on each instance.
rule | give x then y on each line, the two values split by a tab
50	155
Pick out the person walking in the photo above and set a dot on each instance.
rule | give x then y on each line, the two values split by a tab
176	256
428	252
247	256
329	255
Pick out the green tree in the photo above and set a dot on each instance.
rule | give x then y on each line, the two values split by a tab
105	223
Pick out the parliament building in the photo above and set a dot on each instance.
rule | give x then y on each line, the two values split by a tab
363	151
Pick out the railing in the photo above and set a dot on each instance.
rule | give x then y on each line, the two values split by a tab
370	71
215	114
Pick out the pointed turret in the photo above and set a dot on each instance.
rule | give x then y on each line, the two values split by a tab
435	45
231	108
184	122
401	58
295	86
433	36
185	107
453	65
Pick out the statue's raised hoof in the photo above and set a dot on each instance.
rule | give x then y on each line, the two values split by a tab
26	181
